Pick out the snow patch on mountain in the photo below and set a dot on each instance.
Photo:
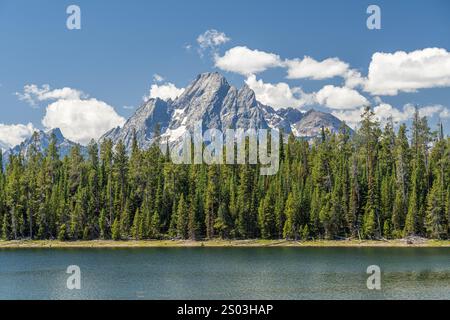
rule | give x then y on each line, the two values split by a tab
211	100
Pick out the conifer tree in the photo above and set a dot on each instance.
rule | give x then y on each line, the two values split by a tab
116	234
183	216
136	229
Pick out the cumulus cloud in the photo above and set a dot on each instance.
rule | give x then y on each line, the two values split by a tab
351	117
391	73
246	61
353	79
32	94
384	111
279	95
340	97
388	73
81	120
212	38
14	134
164	91
429	111
317	70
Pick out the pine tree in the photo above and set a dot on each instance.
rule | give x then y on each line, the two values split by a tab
155	227
136	229
419	179
102	224
183	216
369	133
266	217
290	230
436	218
125	221
402	160
354	202
436	221
221	224
116	234
212	199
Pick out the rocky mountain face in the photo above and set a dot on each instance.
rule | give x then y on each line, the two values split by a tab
209	99
42	142
311	123
143	123
213	101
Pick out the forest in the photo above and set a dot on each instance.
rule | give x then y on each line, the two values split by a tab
376	183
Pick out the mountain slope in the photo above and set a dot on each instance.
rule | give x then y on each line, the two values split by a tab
144	121
311	123
210	99
44	138
213	101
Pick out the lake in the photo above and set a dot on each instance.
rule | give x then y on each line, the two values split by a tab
225	273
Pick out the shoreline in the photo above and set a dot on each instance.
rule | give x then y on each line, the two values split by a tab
399	243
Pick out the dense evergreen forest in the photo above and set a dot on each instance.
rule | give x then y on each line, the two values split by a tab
376	183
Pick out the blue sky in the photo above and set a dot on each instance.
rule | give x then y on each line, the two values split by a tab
112	60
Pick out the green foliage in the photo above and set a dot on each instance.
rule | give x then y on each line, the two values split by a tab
116	230
372	184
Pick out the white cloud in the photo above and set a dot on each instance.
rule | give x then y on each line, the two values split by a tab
14	134
317	70
428	111
33	94
390	73
351	117
164	91
281	95
340	97
158	78
278	95
384	111
211	39
245	61
353	79
81	120
445	113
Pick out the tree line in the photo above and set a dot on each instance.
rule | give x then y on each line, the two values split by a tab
376	183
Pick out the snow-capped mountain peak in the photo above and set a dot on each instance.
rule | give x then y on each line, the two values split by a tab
211	100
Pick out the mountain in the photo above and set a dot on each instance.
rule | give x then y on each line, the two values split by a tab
44	138
217	104
311	123
209	99
144	121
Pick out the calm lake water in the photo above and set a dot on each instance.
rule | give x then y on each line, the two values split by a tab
225	273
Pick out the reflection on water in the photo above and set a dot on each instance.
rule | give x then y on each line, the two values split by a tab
226	273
